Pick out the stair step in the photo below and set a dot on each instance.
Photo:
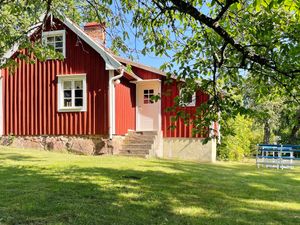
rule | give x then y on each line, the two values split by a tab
140	137
134	155
146	132
138	142
134	151
142	132
137	146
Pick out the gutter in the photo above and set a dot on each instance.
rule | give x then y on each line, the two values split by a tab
112	101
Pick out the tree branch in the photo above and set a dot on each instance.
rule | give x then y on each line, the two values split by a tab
224	9
188	8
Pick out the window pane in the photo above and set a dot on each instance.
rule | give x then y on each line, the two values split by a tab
50	39
58	44
59	38
151	91
78	93
67	102
145	91
67	94
67	85
189	99
78	102
59	50
78	84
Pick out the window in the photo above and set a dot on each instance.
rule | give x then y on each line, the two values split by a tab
56	39
148	94
72	92
187	98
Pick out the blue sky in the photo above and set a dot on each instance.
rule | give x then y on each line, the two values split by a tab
133	43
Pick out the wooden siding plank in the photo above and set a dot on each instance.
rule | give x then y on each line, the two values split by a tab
30	96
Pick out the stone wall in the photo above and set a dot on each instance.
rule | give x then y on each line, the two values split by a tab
86	145
189	149
116	143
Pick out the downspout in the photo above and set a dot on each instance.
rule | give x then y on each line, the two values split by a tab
111	101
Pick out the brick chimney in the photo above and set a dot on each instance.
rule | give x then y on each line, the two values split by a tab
96	31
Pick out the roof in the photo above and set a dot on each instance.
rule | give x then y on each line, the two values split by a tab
139	65
112	62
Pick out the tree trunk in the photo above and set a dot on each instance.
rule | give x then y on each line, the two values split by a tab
267	132
293	136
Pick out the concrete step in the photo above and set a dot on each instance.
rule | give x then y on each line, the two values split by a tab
136	146
134	151
134	155
142	133
138	141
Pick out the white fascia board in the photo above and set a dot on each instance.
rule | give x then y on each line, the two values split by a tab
145	81
111	62
109	67
133	75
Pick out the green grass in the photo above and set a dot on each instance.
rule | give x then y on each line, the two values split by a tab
38	187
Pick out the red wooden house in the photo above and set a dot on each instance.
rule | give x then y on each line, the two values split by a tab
88	98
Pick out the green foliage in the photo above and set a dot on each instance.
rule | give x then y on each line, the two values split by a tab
242	141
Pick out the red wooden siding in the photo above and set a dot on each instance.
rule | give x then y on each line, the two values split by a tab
125	106
169	92
30	95
145	75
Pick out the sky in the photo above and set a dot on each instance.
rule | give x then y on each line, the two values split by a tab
133	42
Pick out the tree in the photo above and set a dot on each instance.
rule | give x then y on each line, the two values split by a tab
214	45
277	113
211	44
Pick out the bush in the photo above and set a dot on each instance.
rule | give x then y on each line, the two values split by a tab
242	140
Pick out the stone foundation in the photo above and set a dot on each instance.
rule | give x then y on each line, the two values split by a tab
170	148
189	149
116	143
86	145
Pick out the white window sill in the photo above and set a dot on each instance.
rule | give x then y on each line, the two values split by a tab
80	109
183	105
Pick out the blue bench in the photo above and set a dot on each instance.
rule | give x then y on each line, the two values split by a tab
277	156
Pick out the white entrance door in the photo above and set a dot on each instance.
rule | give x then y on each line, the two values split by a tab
148	111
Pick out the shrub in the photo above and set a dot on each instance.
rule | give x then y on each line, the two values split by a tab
242	140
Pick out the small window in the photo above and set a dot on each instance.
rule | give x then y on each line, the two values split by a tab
148	94
72	92
187	98
56	39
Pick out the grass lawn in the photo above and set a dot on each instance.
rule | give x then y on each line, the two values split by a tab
38	187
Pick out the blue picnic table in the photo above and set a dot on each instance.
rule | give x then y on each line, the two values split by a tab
277	156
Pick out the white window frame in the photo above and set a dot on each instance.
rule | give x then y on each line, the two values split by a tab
149	95
55	33
186	104
60	93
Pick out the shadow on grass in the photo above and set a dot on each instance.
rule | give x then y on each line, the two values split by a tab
193	194
17	157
